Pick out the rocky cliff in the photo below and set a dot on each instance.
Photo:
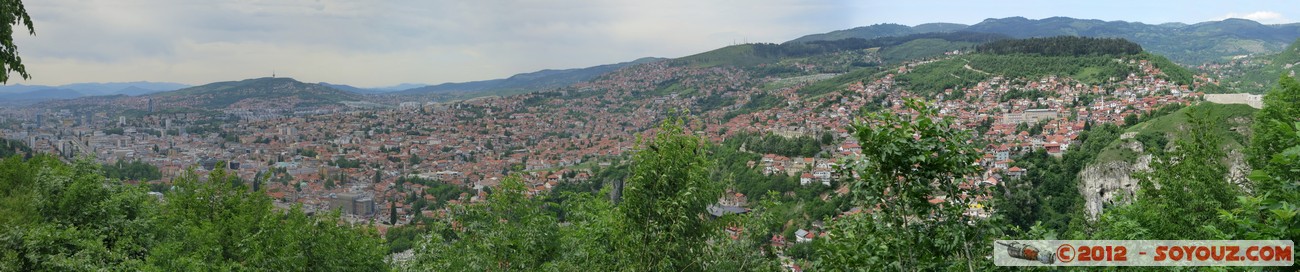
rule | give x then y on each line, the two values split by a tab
1108	183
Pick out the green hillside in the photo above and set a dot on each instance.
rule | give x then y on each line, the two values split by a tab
1159	133
922	48
874	31
222	95
890	49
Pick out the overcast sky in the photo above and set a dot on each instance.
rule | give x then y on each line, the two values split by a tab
371	43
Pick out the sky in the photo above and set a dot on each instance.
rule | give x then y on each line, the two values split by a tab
375	43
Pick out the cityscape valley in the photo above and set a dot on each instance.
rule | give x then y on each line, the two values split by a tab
880	147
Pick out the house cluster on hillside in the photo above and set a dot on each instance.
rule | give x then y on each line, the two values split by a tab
809	170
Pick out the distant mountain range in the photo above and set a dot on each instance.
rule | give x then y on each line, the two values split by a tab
380	90
19	94
1182	43
521	83
287	93
23	94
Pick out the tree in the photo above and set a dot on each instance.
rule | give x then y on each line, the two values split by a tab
219	224
415	159
12	13
665	200
68	217
392	213
1131	119
1271	212
915	173
1272	127
510	232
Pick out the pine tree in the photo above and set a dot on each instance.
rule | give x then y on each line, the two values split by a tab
392	213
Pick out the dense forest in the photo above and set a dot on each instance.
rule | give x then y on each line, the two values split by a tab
1061	46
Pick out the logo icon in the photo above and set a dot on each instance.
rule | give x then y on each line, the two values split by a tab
1028	252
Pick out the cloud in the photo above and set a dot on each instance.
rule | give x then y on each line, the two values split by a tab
384	42
1266	17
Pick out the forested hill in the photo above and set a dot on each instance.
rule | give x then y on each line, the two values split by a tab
519	83
1062	46
888	50
254	93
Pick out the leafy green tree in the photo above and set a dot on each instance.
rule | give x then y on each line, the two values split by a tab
665	200
1131	119
1272	128
219	224
737	247
592	237
908	161
510	232
62	217
1271	212
12	13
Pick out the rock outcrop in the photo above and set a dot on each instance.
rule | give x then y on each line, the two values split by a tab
1110	183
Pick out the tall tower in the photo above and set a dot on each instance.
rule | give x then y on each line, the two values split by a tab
151	105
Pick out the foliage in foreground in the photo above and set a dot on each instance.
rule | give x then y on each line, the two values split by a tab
916	180
57	216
